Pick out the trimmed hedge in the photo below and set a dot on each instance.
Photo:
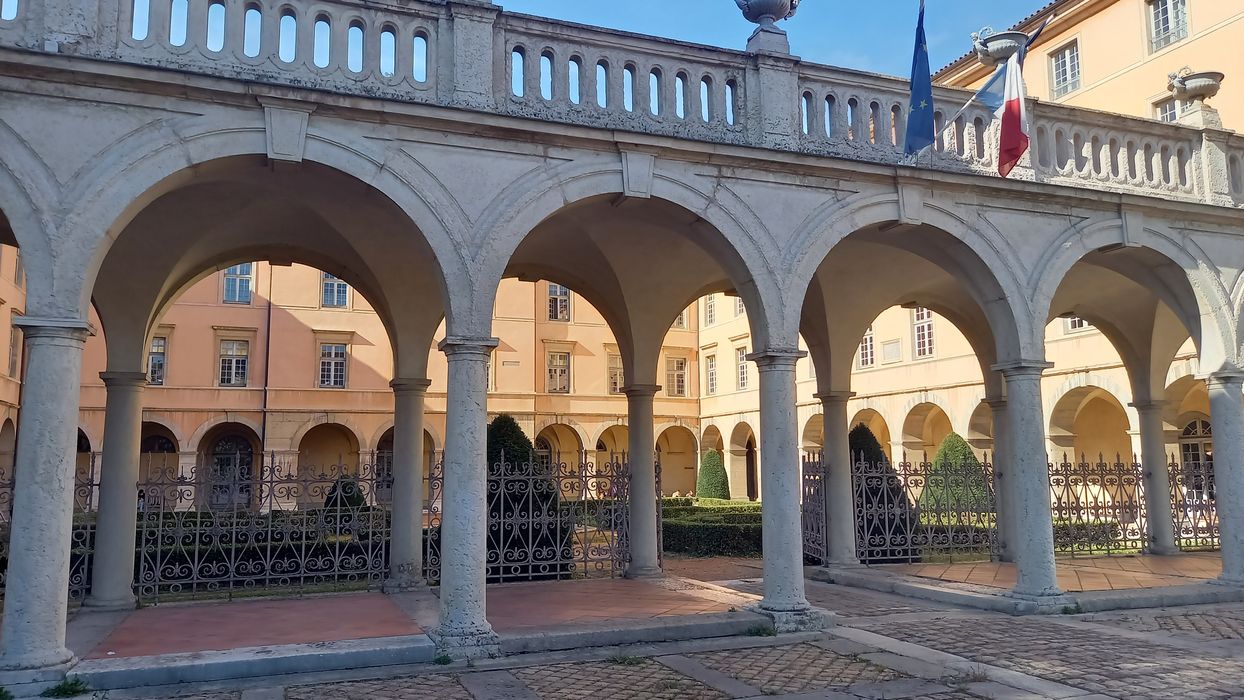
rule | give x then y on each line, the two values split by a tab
957	480
712	481
708	539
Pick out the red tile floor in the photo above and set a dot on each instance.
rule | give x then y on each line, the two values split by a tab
514	607
1080	575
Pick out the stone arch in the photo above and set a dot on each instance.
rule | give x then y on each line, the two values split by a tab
1186	395
26	207
561	442
679	458
814	433
159	452
993	264
711	439
581	436
171	427
1082	385
379	434
980	433
344	422
1090	423
743	462
737	238
1203	305
615	440
329	448
8	449
196	441
924	428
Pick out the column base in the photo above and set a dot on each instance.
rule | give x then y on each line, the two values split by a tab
1225	580
640	572
461	645
402	585
1046	604
1159	550
806	620
110	605
35	668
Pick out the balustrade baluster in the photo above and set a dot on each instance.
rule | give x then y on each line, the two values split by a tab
159	14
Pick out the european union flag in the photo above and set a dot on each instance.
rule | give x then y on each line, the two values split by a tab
920	130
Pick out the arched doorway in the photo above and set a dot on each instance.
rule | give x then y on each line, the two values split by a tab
558	444
814	434
877	425
676	454
329	449
742	463
753	483
228	469
1089	425
926	426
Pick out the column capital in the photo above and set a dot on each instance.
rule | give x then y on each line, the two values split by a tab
777	358
1225	378
1157	404
997	403
834	396
465	346
641	390
37	327
122	380
1022	368
410	386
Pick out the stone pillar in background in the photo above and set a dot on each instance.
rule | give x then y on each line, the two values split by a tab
1157	480
645	559
839	491
406	545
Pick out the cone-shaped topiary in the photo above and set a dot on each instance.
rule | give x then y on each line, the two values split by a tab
887	521
712	481
957	482
505	437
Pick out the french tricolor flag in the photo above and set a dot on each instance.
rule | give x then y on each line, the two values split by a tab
1006	96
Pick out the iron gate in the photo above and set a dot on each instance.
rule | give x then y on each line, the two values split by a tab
911	512
230	525
1194	505
548	518
1098	507
813	508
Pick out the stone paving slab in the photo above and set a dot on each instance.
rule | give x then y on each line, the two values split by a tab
795	669
626	678
442	687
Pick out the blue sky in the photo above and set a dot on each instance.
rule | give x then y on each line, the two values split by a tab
875	35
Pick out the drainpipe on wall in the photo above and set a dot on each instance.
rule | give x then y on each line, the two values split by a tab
267	365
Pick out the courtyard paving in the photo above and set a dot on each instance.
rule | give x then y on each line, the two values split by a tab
884	646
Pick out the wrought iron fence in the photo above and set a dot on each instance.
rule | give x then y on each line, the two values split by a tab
926	511
548	518
813	507
229	525
1098	507
1194	505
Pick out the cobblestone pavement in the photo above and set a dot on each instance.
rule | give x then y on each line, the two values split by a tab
794	669
1224	622
849	602
440	686
633	679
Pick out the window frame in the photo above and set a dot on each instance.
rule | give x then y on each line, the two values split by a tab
334	361
676	377
680	321
1070	327
710	375
922	321
559	310
162	354
234	360
867	353
740	307
742	376
234	273
1176	18
340	291
710	310
1073	69
615	376
550	368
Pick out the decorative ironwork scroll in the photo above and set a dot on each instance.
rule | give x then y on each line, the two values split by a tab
814	508
1098	507
1194	505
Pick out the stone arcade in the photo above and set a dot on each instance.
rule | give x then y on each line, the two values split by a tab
514	146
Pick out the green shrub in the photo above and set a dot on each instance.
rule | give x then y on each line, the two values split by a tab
708	539
345	494
957	481
67	689
712	481
681	501
506	438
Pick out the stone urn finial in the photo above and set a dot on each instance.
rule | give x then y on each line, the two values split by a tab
995	48
1195	87
767	13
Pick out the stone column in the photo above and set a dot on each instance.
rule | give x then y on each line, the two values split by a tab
645	559
464	630
1226	409
1001	477
1157	481
839	491
780	492
1029	486
406	546
32	634
112	578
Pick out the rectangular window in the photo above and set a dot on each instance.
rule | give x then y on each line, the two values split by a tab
334	293
868	351
1076	324
238	284
616	379
332	365
710	375
891	351
922	332
559	303
675	376
1168	22
156	359
740	359
492	371
234	355
19	271
681	322
1065	64
710	309
739	307
15	352
558	364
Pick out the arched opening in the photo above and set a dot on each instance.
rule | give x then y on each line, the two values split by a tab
743	463
877	425
612	444
814	434
677	455
8	449
558	444
328	449
924	429
159	449
85	461
232	457
1090	426
980	428
711	440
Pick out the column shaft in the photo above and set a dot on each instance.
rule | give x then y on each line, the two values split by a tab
1226	406
839	489
1157	481
464	629
32	634
406	545
1029	481
1005	529
112	580
645	557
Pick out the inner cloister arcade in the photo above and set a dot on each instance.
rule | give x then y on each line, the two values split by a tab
427	205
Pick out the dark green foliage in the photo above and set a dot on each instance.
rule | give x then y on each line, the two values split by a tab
6	694
345	494
888	519
957	482
505	437
712	481
67	689
706	539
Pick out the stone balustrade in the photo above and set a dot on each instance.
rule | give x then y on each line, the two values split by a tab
466	53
